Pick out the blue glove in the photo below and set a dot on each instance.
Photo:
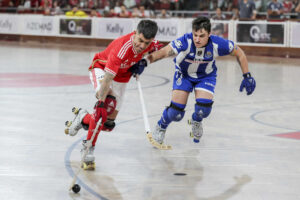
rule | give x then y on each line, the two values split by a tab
138	68
248	82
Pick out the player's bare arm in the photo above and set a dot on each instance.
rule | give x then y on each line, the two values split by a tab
165	52
105	86
241	58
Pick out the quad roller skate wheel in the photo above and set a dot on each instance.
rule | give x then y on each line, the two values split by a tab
75	110
88	166
76	188
66	131
68	123
191	135
189	122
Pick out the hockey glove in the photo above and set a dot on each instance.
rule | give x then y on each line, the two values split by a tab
100	111
248	82
138	68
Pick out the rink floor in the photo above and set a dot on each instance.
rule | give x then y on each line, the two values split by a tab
249	150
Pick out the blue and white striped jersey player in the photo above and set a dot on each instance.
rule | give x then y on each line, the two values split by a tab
196	70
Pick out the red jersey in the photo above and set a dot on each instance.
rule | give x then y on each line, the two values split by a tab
119	56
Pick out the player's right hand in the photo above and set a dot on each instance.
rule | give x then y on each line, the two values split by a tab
138	68
100	111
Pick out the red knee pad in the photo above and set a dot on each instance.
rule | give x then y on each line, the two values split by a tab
110	104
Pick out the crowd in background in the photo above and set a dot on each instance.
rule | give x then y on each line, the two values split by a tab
217	9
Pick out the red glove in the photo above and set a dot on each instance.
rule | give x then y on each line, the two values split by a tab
100	111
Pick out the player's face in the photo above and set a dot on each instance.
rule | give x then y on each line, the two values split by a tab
140	43
200	38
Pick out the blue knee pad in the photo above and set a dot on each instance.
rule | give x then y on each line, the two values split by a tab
175	113
202	109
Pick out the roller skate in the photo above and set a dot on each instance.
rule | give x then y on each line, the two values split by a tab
88	157
157	138
74	126
197	130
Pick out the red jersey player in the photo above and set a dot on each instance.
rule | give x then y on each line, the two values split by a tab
110	72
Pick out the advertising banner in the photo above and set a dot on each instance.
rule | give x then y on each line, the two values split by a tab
218	27
75	26
259	33
295	30
39	25
9	24
111	28
167	29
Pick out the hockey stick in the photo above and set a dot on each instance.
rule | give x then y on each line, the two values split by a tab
88	145
146	122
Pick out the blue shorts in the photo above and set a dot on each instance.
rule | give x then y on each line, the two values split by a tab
207	83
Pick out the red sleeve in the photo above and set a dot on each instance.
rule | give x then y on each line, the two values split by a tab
156	45
113	63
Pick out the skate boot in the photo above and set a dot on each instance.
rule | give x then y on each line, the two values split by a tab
197	130
159	134
87	154
74	126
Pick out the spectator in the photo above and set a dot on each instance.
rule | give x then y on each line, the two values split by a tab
117	8
287	6
258	4
110	13
163	14
275	9
94	13
135	12
56	10
298	10
27	6
143	13
75	12
247	9
176	4
235	14
218	15
47	11
129	3
124	12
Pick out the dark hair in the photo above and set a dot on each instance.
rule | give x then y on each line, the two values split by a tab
148	28
201	23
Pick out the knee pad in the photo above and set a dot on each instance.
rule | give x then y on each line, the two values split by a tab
203	108
175	113
109	125
85	126
110	104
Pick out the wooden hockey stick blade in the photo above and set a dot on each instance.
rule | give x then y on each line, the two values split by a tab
156	144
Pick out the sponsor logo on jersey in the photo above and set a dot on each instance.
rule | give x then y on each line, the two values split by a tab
178	81
208	54
191	54
197	61
209	84
199	53
178	43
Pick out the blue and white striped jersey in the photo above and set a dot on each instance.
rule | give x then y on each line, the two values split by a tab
196	63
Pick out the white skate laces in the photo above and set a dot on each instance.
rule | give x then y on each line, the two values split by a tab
89	157
159	134
76	123
197	130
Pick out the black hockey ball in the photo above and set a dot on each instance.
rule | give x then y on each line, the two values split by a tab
76	188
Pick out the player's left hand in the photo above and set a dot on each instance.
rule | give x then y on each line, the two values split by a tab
248	83
138	68
100	111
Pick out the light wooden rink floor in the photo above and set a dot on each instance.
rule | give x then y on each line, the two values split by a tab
250	149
